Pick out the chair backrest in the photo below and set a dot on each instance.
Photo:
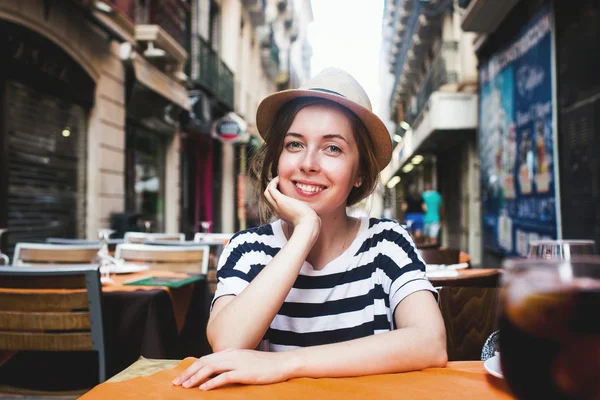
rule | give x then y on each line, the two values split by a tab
34	318
32	254
213	237
191	259
470	316
443	255
141	237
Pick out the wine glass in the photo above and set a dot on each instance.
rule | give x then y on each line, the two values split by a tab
549	327
4	259
103	257
148	226
550	249
205	226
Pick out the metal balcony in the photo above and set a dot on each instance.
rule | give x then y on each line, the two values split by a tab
213	75
441	72
257	12
170	15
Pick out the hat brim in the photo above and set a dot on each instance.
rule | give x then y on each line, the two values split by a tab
270	106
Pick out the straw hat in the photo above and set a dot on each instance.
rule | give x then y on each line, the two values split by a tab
338	86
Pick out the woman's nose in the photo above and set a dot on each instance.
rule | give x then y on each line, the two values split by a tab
310	161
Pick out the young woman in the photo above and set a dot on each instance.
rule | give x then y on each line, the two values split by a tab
317	293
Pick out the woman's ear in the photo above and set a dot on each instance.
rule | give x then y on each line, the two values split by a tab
358	182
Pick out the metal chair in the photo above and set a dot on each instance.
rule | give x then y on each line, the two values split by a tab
34	317
191	259
141	237
213	237
39	254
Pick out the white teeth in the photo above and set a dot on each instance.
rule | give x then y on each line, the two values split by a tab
309	188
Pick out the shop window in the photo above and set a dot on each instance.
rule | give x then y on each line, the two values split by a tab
146	176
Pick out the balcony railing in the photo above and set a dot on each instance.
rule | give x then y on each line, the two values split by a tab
170	15
213	74
441	72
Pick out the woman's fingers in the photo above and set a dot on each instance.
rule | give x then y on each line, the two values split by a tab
201	376
190	371
222	379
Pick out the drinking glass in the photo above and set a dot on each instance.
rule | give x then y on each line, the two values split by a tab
205	226
104	258
561	249
549	327
4	260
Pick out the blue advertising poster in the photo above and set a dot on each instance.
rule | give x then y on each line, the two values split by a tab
516	141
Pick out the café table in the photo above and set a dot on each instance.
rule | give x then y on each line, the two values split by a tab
151	379
149	321
480	277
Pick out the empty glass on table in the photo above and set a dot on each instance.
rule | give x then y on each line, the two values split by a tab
561	249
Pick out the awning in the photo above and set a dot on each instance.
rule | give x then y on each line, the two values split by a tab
155	80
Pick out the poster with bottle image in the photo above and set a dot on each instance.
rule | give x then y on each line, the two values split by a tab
516	141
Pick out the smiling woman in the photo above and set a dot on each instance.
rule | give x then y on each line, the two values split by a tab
344	296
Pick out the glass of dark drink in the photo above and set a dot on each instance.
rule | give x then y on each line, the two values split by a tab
550	328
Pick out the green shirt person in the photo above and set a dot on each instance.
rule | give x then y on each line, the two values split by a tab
432	218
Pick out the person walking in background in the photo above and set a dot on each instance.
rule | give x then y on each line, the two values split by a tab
413	208
433	212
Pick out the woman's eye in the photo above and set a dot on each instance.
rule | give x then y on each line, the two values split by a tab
334	149
293	145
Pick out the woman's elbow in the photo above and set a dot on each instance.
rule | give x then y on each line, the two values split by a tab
220	342
439	354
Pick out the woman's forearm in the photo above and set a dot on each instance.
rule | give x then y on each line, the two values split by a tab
406	349
243	322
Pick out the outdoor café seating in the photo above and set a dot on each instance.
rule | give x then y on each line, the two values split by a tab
191	259
470	315
443	255
37	314
141	237
32	254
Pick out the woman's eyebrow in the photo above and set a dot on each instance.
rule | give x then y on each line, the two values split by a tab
328	136
334	136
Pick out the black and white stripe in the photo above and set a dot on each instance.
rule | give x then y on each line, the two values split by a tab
353	296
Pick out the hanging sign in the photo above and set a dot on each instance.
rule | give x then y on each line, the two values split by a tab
230	129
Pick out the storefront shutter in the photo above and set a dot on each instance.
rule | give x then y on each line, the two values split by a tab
46	166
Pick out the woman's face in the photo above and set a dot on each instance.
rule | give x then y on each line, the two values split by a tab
319	160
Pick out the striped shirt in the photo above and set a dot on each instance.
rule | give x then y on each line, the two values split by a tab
353	296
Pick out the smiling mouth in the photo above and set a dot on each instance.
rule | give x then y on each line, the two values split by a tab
309	188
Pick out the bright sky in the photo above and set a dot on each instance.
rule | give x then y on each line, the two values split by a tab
347	34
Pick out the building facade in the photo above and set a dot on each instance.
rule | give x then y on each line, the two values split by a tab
433	106
538	104
241	51
90	94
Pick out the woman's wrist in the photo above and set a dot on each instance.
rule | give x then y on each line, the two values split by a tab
309	226
290	364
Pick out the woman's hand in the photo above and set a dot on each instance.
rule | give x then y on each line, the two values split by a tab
235	366
290	210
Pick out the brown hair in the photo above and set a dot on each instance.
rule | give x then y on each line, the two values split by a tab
264	163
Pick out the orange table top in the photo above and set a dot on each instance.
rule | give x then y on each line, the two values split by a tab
459	380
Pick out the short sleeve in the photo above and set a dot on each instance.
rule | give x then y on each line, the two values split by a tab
405	268
244	256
